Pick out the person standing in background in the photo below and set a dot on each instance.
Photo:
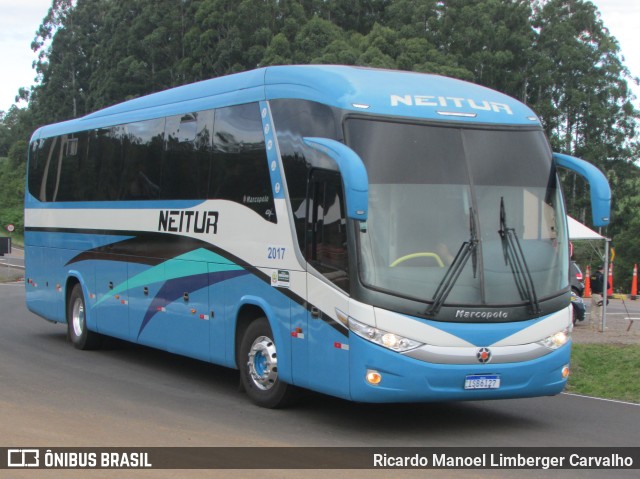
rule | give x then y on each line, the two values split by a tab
597	285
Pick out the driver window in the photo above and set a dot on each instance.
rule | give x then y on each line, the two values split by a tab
327	232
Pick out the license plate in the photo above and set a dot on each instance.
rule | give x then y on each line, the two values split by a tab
482	381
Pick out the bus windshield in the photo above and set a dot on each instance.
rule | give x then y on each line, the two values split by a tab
460	215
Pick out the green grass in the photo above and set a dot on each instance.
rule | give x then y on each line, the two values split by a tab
606	371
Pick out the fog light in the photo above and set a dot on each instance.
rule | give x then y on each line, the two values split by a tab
373	377
565	372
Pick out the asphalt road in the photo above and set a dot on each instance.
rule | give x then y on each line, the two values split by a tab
618	307
52	395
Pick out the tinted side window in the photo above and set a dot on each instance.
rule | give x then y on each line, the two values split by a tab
105	154
240	171
43	154
187	161
180	157
142	144
75	180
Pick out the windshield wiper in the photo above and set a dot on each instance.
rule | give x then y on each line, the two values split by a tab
467	249
514	257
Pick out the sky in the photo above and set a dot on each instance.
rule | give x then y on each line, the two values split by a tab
19	20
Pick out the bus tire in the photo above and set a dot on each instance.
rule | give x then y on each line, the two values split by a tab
77	330
258	363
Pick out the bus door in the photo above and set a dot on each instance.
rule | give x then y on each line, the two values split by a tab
326	250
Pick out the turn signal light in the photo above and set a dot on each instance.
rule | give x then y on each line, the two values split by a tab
373	377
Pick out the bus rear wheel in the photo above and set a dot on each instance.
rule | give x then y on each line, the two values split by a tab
77	331
258	363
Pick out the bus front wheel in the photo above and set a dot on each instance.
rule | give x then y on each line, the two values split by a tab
77	331
258	363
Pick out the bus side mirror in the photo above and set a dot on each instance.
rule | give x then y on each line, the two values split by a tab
598	184
353	171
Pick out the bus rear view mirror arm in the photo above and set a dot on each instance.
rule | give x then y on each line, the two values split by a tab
598	185
353	171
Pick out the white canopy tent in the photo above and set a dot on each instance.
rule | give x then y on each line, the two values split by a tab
578	231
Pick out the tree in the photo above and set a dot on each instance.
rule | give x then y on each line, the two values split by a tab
140	48
278	52
350	15
581	93
59	45
489	38
580	89
12	182
313	38
15	125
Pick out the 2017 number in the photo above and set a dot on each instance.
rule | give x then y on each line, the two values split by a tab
275	252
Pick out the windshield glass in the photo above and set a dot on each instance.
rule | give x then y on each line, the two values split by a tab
438	191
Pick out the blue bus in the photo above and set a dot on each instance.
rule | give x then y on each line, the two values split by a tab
379	236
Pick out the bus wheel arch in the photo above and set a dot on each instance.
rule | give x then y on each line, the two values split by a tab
257	360
77	331
247	314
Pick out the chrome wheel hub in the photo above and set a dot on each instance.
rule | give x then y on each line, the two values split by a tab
263	363
77	317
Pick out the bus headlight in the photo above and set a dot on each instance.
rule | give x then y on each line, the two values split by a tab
383	338
557	340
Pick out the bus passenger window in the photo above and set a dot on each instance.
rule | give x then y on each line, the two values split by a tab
142	144
188	153
41	171
74	181
105	154
240	170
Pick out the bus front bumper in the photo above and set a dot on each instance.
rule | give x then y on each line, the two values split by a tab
405	379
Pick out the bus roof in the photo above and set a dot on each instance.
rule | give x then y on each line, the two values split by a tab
367	90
